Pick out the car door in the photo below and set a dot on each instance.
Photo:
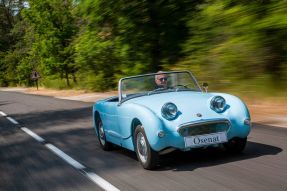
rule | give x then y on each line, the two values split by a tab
110	121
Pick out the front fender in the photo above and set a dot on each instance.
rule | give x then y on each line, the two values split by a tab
151	123
236	112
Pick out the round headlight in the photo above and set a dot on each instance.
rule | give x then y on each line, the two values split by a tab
218	104
169	111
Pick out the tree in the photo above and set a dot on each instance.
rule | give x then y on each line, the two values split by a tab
9	16
119	38
54	27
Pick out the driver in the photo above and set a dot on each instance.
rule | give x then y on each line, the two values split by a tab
161	80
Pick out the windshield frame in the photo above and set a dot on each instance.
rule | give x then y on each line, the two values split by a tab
150	74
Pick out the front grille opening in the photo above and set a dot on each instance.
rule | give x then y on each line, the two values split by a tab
201	129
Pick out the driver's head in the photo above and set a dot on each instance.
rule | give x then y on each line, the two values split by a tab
161	79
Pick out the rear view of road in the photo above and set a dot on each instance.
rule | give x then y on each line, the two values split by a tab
27	164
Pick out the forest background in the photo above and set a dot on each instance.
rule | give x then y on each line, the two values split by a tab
238	46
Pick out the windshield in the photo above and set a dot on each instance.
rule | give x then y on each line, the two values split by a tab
156	83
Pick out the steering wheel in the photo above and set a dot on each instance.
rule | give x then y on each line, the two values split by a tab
155	90
177	86
181	85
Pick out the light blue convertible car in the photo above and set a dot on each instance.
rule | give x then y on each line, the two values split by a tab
157	113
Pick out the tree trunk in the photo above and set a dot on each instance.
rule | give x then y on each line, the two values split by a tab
67	76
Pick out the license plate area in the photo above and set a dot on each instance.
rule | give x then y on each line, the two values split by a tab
203	140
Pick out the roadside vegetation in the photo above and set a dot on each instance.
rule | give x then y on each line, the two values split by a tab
234	45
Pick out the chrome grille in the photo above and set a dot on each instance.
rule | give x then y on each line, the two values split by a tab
204	127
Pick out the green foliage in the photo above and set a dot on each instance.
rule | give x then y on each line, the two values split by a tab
237	41
96	57
90	44
54	82
98	82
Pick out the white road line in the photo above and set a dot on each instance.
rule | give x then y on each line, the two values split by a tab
101	182
12	120
32	134
65	157
91	175
3	114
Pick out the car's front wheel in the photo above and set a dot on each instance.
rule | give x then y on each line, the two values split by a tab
235	145
146	155
105	145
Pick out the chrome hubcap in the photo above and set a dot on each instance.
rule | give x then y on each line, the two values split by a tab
102	134
141	147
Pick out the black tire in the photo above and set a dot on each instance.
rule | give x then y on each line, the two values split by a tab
235	145
147	157
105	145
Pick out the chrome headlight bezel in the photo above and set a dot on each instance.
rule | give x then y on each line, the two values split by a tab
169	111
218	104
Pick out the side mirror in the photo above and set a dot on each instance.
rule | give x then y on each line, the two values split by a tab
205	86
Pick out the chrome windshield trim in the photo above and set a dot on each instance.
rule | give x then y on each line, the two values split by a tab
129	77
203	122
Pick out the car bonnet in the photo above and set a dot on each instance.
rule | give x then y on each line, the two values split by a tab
192	106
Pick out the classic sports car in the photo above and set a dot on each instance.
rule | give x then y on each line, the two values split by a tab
157	113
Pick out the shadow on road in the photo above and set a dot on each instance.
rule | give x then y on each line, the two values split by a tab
4	103
27	165
47	119
188	161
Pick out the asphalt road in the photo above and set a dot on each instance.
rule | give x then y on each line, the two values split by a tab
27	164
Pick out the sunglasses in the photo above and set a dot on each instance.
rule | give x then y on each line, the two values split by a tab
162	79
